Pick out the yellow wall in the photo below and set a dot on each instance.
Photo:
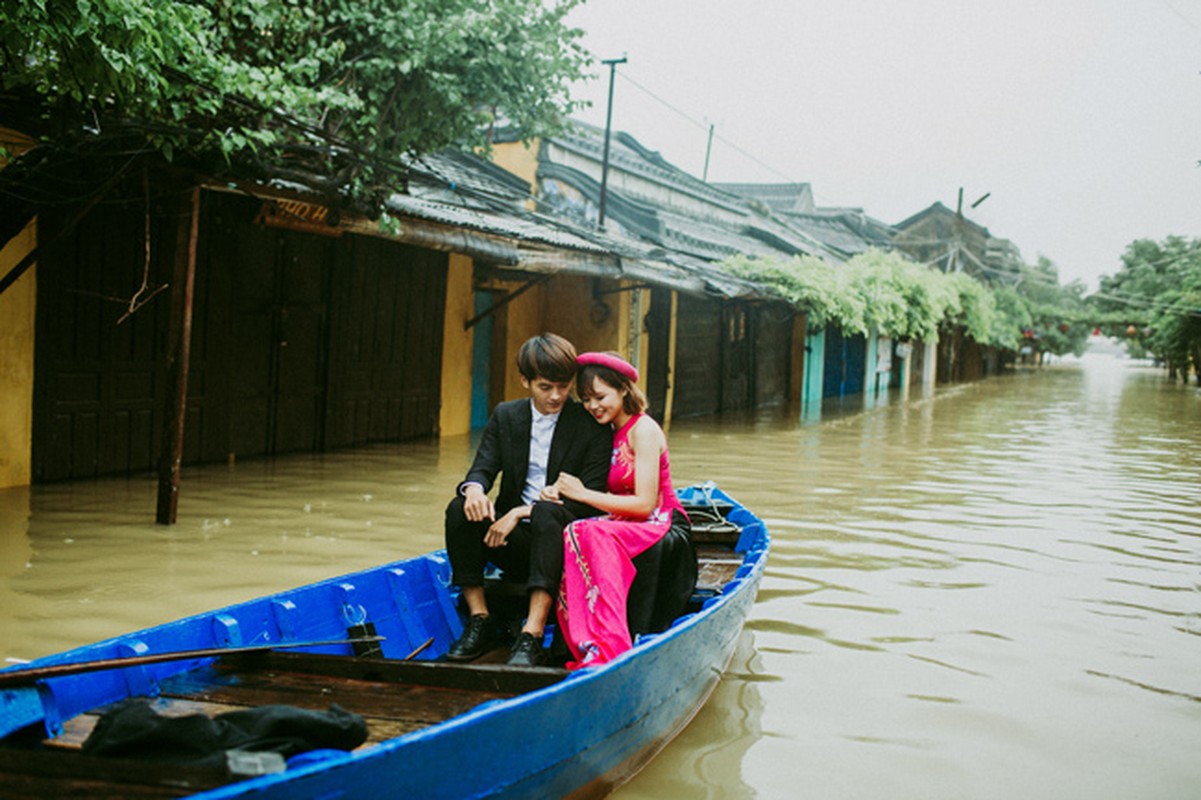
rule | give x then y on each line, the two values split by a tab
455	417
671	358
17	306
572	310
520	159
523	319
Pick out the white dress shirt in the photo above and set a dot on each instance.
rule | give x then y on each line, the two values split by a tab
542	430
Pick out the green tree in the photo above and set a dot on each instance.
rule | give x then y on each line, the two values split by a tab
1154	302
336	92
887	292
1059	319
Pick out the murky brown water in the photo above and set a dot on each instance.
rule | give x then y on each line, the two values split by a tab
990	592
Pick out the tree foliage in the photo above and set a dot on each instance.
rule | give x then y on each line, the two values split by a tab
1154	301
1060	319
902	299
333	89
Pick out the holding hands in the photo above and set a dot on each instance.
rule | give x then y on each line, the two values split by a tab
567	485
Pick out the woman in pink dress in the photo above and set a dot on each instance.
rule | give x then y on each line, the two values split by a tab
639	506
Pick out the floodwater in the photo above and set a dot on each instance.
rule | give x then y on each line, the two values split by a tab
989	591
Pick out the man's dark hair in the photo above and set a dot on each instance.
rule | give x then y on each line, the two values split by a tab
547	356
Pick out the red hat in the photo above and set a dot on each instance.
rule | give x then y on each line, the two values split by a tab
610	360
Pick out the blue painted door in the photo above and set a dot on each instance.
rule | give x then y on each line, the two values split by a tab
845	359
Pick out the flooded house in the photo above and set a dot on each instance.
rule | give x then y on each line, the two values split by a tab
156	316
737	347
951	242
161	317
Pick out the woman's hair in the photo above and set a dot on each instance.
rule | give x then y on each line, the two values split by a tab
548	356
633	401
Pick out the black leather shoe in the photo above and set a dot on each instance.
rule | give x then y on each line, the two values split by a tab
527	651
479	636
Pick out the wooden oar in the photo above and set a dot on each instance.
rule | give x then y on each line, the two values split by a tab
23	676
420	648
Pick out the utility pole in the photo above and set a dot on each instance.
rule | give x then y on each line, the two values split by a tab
708	150
612	62
959	246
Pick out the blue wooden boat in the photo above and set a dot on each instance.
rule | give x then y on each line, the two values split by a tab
435	729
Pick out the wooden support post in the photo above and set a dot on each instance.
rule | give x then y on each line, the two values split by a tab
179	344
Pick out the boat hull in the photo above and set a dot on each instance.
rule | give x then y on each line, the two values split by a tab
580	735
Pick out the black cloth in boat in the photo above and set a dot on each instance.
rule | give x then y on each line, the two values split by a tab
133	729
665	581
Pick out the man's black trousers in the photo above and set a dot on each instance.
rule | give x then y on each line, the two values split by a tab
533	552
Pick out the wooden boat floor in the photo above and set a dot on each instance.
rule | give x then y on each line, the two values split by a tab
716	567
393	697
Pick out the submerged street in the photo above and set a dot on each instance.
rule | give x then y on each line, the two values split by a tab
988	591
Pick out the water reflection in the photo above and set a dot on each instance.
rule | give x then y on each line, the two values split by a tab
986	591
705	761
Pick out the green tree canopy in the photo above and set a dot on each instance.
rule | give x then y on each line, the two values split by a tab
1154	301
902	299
331	90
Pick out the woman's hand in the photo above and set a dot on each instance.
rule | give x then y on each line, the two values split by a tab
570	486
550	494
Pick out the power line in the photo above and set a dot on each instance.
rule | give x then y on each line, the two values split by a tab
1186	20
704	127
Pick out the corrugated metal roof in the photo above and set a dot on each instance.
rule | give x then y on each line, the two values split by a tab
471	216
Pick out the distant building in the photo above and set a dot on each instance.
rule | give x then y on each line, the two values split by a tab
950	242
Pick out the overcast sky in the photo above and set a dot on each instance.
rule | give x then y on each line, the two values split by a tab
1082	118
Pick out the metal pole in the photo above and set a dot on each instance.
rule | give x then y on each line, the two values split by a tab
612	62
708	150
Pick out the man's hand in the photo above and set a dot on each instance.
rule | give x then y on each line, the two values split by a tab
498	532
476	505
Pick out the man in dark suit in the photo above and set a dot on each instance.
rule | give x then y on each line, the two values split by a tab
528	442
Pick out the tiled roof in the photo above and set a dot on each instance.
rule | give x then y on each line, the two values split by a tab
732	228
830	231
449	192
779	197
625	153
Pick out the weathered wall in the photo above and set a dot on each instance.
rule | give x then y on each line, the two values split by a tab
572	312
796	384
455	415
17	306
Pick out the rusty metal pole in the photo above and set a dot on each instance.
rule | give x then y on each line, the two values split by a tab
182	282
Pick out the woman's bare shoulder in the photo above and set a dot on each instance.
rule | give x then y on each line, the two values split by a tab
647	433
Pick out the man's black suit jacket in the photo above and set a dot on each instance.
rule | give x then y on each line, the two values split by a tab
581	446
